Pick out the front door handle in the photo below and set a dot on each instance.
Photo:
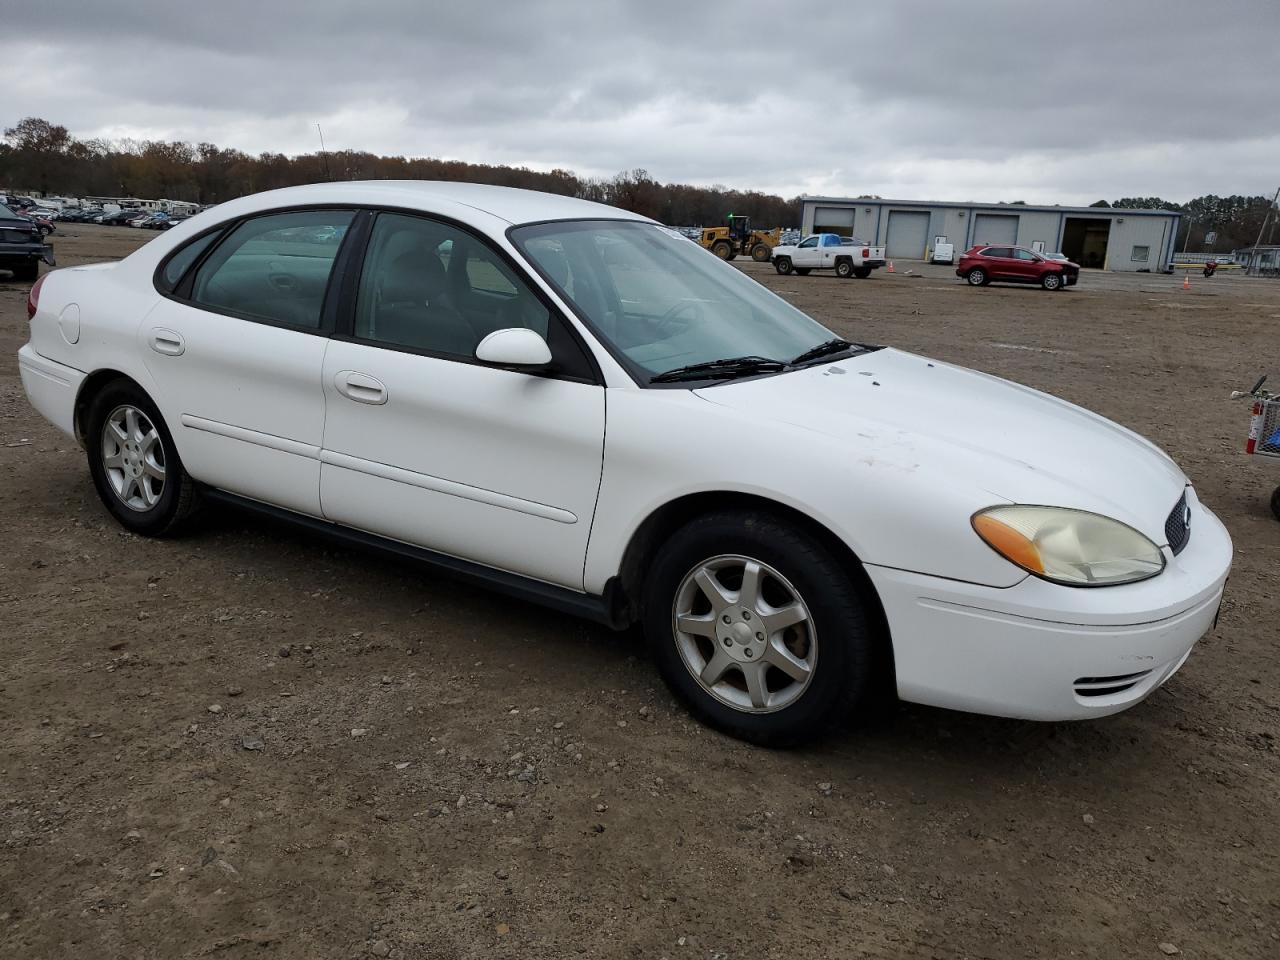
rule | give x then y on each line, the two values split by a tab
360	387
168	342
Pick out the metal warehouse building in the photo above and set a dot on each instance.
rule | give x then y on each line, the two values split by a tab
1104	237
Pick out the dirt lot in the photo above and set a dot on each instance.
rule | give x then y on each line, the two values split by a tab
445	773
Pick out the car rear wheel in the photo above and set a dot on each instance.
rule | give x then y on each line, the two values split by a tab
976	277
844	269
135	466
782	265
757	628
1051	281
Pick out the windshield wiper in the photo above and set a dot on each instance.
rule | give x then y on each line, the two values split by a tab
825	349
720	369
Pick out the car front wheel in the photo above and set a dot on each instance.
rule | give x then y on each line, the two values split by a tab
1051	281
134	464
782	265
976	277
757	628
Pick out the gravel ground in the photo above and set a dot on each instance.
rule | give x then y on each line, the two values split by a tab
251	743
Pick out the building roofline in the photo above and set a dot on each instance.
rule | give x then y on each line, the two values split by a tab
1001	207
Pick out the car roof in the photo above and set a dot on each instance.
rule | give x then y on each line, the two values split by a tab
506	203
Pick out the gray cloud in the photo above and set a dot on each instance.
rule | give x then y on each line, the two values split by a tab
1041	101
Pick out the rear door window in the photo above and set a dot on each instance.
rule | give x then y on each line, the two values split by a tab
274	268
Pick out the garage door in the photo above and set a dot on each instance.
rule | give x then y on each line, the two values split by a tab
833	220
995	228
908	234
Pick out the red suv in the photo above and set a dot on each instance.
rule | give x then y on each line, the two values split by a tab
981	264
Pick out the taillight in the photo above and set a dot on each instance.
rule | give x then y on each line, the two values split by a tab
33	298
865	253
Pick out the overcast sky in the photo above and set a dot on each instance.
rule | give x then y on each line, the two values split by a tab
1036	100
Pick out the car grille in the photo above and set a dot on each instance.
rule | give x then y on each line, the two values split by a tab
1178	527
1108	686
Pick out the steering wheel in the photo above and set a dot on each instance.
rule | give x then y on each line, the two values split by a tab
667	322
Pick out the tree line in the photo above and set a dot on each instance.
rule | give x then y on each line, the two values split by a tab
45	157
42	156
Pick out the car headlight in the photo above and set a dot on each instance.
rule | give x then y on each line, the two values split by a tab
1072	547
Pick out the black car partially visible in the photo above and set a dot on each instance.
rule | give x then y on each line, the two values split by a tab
22	246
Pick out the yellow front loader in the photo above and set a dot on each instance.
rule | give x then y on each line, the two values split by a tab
738	238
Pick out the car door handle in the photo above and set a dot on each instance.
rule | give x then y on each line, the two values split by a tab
360	387
168	342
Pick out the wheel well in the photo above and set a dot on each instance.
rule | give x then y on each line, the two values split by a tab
663	522
88	390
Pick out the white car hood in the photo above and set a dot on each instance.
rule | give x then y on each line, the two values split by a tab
968	428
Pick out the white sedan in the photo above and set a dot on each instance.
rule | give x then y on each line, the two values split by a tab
564	401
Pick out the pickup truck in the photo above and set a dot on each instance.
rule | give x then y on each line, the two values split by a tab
828	251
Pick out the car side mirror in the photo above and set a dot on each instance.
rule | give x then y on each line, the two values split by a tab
514	347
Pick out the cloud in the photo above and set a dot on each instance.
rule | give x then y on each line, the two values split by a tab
1045	102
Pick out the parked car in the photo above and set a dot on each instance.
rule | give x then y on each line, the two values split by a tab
22	246
43	213
761	495
138	218
154	221
828	251
119	218
982	264
45	227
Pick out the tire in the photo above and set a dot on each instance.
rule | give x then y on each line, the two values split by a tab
723	249
782	265
26	272
796	571
1051	281
977	277
760	253
1275	503
148	505
862	272
844	269
803	271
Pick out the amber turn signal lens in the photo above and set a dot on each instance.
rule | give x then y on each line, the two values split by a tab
1009	543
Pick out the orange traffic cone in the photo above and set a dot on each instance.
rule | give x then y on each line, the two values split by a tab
891	266
1186	281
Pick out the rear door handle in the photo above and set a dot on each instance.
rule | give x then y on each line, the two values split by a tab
360	387
168	342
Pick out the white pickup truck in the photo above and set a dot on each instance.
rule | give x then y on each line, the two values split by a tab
828	251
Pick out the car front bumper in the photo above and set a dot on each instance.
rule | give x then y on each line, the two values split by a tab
51	387
1040	651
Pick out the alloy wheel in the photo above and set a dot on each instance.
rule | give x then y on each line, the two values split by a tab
133	458
745	634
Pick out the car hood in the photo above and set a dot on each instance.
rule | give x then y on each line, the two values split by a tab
968	428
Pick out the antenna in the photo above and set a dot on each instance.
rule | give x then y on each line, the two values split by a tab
327	174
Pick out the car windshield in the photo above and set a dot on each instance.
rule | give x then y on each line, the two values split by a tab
661	303
7	214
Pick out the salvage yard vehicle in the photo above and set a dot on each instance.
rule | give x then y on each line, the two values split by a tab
562	400
982	264
22	246
829	251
